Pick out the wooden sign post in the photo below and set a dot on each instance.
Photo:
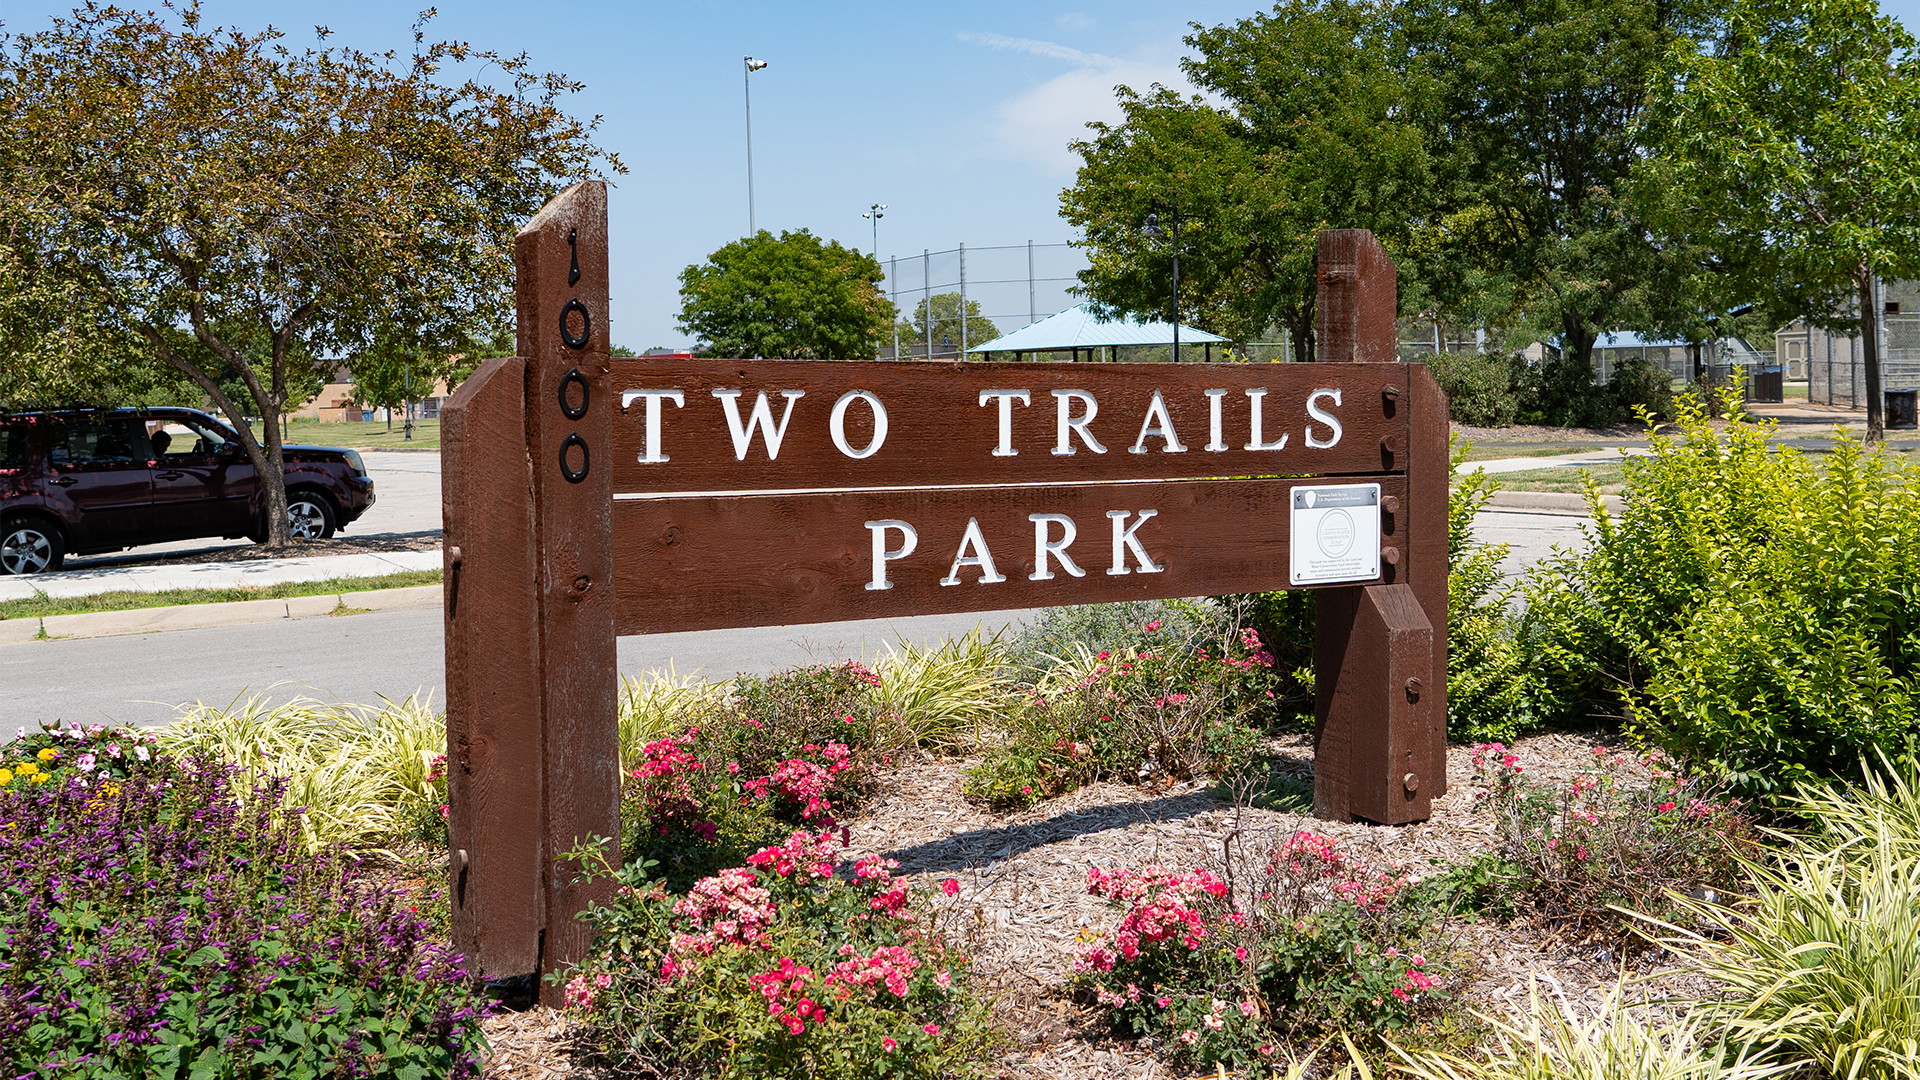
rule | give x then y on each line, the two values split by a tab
586	497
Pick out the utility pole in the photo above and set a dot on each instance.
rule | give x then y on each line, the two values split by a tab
875	213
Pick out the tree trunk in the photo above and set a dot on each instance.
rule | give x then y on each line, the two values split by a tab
1577	343
1870	350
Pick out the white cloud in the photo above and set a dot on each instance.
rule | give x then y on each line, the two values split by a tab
1036	125
1074	20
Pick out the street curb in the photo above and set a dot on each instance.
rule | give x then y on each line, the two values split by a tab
1549	502
200	616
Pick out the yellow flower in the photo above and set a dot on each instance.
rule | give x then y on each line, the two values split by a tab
41	778
26	768
6	777
48	754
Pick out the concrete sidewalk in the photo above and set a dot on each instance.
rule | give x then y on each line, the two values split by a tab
217	575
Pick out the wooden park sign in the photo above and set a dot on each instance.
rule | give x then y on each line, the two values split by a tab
586	498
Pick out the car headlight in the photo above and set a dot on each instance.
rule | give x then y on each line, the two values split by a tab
359	466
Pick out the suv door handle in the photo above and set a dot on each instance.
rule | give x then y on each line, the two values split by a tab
170	474
64	481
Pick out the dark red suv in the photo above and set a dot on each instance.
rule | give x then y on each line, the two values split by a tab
80	481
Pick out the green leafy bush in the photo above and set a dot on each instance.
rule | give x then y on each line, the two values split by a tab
1750	613
1608	839
1311	944
1479	387
779	967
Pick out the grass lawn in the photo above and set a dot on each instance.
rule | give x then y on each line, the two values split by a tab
1611	476
1494	451
365	436
41	606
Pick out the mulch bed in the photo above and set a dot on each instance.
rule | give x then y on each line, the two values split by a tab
1023	908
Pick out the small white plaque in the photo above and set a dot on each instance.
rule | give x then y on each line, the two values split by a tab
1335	534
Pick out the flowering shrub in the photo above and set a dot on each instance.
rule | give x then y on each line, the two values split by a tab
54	754
790	965
1312	944
1166	711
1611	838
156	926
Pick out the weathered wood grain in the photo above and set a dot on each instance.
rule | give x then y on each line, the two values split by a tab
493	674
775	560
560	264
939	431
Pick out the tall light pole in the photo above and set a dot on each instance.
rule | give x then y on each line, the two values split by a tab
1153	231
876	213
746	79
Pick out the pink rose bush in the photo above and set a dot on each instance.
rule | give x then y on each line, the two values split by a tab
1310	942
1627	832
794	963
1166	710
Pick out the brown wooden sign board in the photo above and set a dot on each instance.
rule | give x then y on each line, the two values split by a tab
586	497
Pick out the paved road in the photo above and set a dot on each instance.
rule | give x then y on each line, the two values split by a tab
140	678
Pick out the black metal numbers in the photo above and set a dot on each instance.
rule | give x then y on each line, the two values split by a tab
573	376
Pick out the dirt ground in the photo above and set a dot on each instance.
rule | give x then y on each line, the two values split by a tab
1023	907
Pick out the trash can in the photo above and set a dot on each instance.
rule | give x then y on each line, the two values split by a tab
1768	385
1901	408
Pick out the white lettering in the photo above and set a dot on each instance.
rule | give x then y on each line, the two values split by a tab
1042	549
1257	398
653	456
761	417
1216	441
981	557
909	540
1327	418
1068	424
1125	540
1158	423
837	424
1006	399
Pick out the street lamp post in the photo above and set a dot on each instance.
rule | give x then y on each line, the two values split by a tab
1154	232
876	212
746	80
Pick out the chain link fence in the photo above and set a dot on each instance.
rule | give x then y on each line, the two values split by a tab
1010	285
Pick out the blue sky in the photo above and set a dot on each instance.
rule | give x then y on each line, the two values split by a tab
955	115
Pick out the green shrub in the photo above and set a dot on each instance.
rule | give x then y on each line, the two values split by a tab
1607	840
1751	614
778	967
1639	387
1059	633
1479	387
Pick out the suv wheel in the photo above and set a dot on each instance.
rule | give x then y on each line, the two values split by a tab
28	546
309	516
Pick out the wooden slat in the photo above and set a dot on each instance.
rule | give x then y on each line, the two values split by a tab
560	263
493	674
776	560
939	432
1429	457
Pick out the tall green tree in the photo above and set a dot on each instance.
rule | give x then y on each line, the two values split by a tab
1793	153
1533	114
161	181
946	322
792	297
1305	127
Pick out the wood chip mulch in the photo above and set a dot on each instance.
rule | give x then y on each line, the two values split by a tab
1023	910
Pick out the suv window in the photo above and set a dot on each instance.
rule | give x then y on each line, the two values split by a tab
97	441
13	446
183	437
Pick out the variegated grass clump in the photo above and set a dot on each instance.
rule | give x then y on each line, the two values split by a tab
1823	959
1552	1042
360	773
940	698
659	704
